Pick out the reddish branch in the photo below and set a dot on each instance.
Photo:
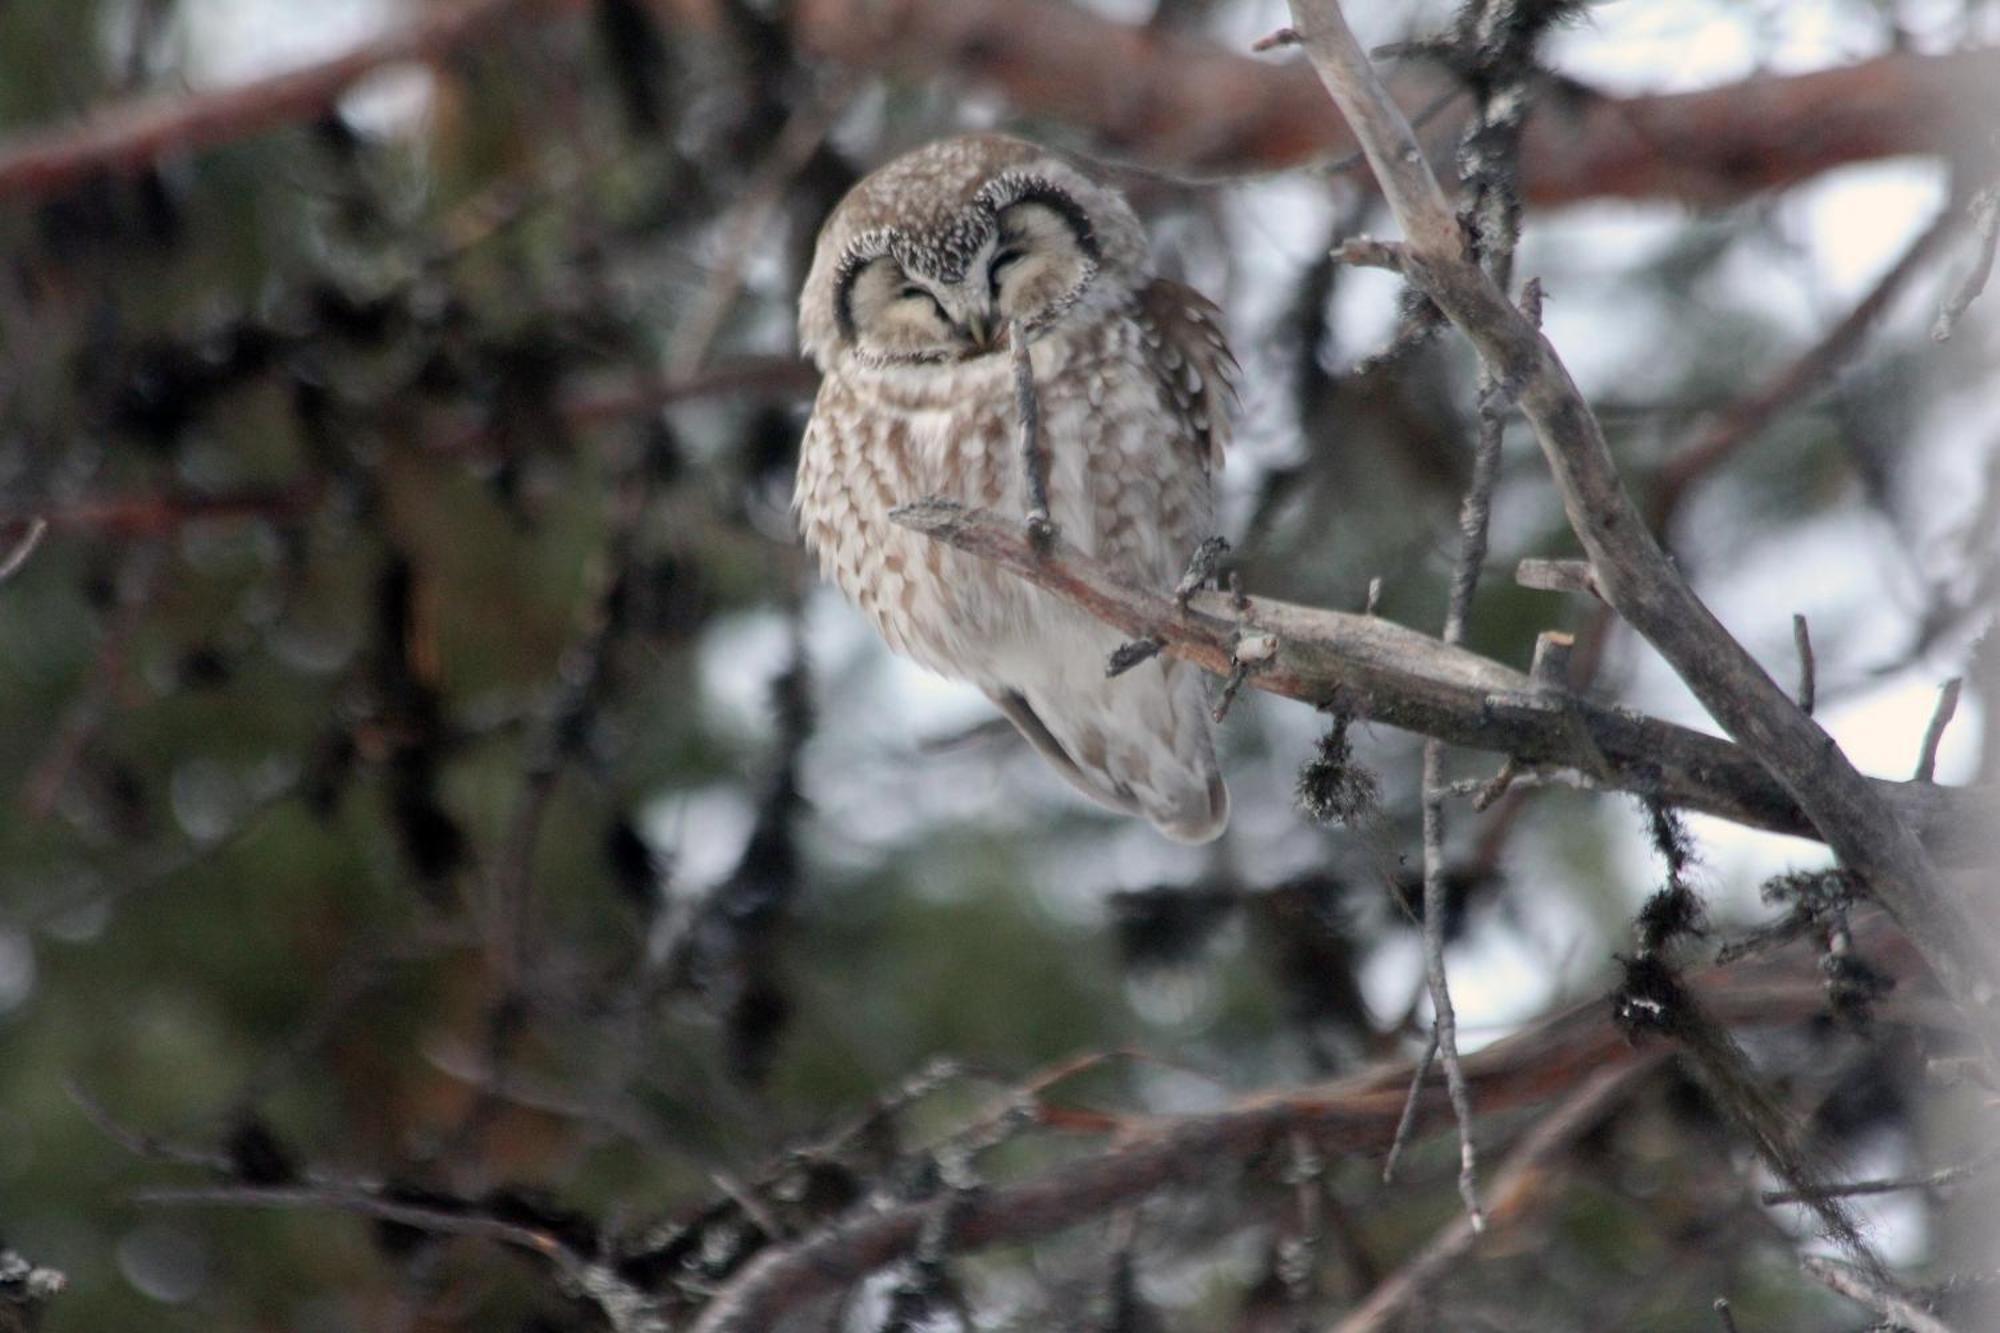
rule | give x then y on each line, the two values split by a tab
1179	104
1183	104
1356	1115
1725	434
127	137
162	513
1718	440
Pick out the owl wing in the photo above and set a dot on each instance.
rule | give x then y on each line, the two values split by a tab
1183	332
1093	782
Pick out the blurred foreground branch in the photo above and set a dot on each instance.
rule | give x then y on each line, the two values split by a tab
1180	105
130	136
1393	674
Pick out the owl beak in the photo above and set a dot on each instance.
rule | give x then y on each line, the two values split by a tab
980	327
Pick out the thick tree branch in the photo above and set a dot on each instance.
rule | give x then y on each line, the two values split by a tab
1392	674
1634	573
1182	104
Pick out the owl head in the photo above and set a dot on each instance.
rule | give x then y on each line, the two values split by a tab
932	257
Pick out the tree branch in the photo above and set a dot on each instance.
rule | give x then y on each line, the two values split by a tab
1634	573
1862	1289
127	137
1355	1115
1395	675
1522	1182
1185	105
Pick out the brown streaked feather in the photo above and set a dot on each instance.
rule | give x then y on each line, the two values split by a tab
1191	359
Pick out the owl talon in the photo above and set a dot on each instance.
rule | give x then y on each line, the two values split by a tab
1202	568
1041	530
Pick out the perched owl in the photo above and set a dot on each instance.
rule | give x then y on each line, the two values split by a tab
919	274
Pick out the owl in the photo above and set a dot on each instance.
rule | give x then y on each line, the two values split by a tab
919	275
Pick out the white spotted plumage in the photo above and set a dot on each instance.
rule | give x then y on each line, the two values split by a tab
1133	381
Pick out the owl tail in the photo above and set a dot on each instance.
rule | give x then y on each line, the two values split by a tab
1138	743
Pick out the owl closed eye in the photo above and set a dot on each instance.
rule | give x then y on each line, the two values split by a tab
1040	260
916	303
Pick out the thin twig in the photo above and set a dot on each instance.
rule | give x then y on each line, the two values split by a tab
1722	1313
1808	686
1444	1020
1889	1185
1028	413
139	1144
1523	1179
1984	211
138	584
1408	1120
1367	252
11	563
1571	576
1947	708
1487	158
749	218
1720	438
1863	1289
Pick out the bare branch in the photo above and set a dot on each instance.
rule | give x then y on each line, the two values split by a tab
10	564
1188	106
1557	576
1985	213
1398	676
1520	1185
1941	716
129	137
1808	670
1635	574
1353	1116
1198	107
1929	1180
1862	1289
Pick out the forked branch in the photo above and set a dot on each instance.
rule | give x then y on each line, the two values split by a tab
1391	674
1634	574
